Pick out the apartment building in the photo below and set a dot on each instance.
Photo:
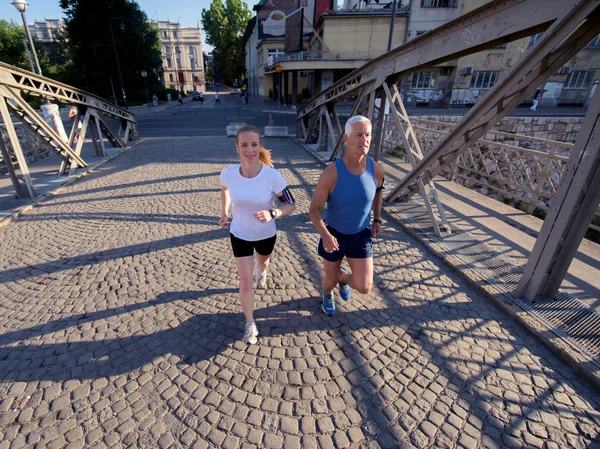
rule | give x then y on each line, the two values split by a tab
181	50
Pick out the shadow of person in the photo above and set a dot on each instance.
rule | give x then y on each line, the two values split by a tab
33	354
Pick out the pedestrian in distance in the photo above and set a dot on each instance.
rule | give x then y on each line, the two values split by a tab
154	100
536	99
352	187
217	101
249	188
180	98
72	117
201	98
169	98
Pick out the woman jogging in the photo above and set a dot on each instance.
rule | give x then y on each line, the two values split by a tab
250	187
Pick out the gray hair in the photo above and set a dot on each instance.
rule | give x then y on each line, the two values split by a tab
355	119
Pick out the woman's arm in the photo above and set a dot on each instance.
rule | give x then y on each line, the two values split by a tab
225	203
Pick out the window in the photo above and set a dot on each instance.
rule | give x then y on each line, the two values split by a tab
484	79
169	64
578	80
174	34
438	3
423	80
595	43
171	77
165	34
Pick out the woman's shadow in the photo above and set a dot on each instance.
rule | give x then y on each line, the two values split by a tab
31	354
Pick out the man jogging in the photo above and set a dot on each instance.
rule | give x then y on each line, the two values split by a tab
352	188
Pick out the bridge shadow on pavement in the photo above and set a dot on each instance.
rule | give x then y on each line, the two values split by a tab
140	330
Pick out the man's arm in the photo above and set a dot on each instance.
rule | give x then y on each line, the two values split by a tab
326	183
378	200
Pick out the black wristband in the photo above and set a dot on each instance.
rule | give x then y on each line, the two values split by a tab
377	220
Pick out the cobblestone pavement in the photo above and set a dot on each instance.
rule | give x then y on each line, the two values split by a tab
120	327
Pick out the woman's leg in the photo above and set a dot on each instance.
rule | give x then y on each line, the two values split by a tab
263	262
244	267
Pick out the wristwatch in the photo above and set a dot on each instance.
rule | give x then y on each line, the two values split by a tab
273	214
377	220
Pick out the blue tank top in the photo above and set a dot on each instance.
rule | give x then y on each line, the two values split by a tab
349	204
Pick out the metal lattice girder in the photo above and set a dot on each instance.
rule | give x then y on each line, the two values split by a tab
32	84
570	215
565	38
37	124
15	81
495	23
415	155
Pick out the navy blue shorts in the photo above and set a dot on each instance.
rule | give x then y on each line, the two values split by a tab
353	246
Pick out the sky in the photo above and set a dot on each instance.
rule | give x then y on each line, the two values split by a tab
188	12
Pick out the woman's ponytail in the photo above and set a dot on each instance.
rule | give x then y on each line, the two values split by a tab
265	157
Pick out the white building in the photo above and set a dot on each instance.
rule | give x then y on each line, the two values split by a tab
181	50
46	30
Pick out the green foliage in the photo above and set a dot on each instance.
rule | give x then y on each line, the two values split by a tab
224	26
12	49
90	45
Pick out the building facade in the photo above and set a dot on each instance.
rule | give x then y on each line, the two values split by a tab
464	81
339	42
344	39
181	50
49	32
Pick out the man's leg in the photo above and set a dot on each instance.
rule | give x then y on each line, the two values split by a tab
361	278
332	275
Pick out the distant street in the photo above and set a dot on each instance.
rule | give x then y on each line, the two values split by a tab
196	119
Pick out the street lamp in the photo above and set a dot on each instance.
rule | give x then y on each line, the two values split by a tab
145	75
21	6
117	58
49	110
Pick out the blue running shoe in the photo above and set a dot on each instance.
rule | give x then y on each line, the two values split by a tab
328	304
344	289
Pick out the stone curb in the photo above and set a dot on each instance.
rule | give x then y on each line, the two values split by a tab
569	354
52	192
276	131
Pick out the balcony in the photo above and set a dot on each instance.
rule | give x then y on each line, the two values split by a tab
320	60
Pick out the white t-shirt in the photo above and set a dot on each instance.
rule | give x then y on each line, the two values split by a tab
250	195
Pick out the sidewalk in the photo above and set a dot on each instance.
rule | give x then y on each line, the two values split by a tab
120	326
345	110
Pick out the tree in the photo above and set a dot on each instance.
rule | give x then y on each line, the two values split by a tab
224	27
12	49
88	26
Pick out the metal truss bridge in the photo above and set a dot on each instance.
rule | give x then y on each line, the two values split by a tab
91	110
567	26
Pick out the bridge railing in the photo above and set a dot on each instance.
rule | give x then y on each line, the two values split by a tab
522	170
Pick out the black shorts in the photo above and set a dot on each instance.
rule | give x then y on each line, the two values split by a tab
244	248
353	246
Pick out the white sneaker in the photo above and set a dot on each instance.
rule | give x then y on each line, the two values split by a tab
260	278
250	334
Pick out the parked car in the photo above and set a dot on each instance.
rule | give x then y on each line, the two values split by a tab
198	96
236	92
